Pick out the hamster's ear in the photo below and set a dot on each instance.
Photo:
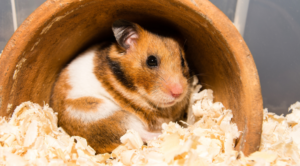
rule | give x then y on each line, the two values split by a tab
126	33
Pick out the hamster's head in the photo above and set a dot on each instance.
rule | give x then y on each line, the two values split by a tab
152	66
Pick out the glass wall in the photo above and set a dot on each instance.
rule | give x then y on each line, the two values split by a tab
226	6
6	22
272	33
23	9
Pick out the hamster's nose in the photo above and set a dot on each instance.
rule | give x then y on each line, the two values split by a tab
176	90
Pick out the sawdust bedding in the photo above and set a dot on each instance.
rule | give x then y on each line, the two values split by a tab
32	137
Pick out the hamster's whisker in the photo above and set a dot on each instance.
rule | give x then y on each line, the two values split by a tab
201	74
206	85
161	77
168	78
157	105
135	99
184	42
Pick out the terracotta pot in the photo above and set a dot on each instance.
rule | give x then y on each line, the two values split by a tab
50	37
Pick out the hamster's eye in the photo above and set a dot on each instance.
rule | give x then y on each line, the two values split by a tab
152	61
182	62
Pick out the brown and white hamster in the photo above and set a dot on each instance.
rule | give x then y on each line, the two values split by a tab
138	82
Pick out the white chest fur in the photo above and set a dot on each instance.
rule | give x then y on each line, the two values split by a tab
84	83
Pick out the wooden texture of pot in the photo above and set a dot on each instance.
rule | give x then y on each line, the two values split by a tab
52	35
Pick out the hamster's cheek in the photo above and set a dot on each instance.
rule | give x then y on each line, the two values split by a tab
162	99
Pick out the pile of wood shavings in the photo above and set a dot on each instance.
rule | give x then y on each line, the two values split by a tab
31	137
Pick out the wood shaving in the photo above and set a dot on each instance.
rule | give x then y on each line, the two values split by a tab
32	137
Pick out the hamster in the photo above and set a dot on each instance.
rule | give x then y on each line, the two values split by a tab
138	82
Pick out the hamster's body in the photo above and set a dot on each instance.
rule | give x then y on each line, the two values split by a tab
138	83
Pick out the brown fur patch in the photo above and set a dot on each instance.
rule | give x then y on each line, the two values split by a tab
84	103
60	91
103	135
